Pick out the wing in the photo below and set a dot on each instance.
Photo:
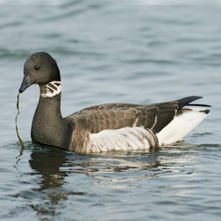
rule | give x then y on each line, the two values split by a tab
154	117
118	115
117	118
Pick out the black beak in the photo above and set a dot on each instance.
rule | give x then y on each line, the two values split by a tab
25	84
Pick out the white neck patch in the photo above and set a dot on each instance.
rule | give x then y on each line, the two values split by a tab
51	89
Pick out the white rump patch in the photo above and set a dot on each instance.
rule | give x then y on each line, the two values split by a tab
180	126
51	89
128	138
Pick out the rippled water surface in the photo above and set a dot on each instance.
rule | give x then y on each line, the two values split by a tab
112	51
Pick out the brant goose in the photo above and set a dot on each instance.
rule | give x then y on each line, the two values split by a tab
105	127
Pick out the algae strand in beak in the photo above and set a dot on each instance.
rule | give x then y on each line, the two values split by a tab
16	119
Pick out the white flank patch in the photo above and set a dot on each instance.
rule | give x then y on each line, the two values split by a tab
51	89
180	126
128	138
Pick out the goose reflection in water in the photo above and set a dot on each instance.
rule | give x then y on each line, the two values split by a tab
55	168
48	164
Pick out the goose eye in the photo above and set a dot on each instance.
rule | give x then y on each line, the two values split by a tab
37	67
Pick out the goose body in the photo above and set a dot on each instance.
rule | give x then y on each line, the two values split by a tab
105	127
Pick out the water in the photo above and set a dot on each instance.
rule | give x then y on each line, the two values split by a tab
112	51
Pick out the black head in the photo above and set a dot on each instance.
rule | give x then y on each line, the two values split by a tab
40	68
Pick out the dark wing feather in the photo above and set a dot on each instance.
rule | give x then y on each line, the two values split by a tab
97	120
117	115
165	116
168	110
108	106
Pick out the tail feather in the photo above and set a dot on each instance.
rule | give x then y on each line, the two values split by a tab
181	125
187	100
198	105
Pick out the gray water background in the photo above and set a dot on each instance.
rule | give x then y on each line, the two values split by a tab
112	51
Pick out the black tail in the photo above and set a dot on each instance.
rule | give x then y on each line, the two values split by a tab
187	100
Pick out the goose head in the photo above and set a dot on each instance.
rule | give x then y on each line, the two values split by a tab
40	68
